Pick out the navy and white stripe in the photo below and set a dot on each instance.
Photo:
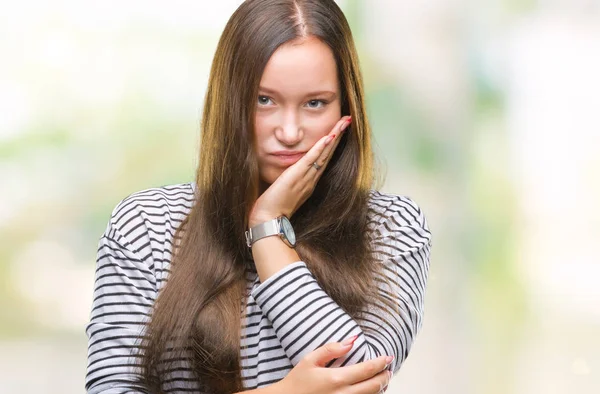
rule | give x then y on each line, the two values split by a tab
286	317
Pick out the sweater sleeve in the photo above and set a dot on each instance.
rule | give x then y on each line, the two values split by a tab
124	291
304	317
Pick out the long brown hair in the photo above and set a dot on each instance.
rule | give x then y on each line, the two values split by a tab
197	315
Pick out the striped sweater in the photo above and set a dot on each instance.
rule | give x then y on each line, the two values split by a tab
286	316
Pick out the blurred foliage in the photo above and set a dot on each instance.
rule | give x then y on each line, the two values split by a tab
82	149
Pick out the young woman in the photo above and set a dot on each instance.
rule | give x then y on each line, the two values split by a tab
279	269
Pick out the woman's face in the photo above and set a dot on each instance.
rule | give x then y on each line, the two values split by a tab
298	103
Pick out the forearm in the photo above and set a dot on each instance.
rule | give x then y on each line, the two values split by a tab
302	306
304	316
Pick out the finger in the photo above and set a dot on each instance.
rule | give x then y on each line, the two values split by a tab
325	156
336	133
315	152
374	385
324	354
362	371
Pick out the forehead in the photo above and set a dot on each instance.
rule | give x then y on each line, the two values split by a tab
301	66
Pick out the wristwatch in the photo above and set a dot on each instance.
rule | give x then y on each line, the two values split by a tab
279	226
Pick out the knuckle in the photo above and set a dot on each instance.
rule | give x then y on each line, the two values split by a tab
329	348
372	368
335	379
307	360
375	386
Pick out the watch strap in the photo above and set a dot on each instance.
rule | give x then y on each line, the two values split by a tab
266	229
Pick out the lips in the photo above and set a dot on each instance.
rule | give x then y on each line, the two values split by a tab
287	157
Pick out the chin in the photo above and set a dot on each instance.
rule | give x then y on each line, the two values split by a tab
270	175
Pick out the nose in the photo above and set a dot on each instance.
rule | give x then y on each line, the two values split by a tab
289	132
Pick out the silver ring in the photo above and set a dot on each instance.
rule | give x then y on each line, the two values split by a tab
317	167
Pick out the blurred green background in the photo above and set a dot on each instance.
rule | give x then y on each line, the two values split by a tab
486	113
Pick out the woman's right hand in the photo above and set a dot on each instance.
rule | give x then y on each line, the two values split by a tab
311	376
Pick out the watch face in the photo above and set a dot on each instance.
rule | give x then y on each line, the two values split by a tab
288	231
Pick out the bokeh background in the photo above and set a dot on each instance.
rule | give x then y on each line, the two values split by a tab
487	113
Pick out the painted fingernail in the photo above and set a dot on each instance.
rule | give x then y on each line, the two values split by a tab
349	341
346	124
388	360
328	140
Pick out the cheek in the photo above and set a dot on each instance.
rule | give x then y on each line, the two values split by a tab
318	126
263	126
261	131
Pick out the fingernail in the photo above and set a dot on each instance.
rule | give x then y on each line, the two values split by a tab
388	360
329	139
349	341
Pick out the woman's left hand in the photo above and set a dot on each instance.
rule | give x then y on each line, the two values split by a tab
293	187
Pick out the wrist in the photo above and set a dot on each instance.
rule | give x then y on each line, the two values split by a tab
276	388
271	255
272	389
263	390
257	219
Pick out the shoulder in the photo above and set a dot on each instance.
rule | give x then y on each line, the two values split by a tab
397	222
385	207
148	218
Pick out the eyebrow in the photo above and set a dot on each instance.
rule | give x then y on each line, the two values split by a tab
316	93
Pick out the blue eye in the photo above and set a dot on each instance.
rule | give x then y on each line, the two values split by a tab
315	104
264	100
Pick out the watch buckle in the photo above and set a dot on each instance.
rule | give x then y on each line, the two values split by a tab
248	238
